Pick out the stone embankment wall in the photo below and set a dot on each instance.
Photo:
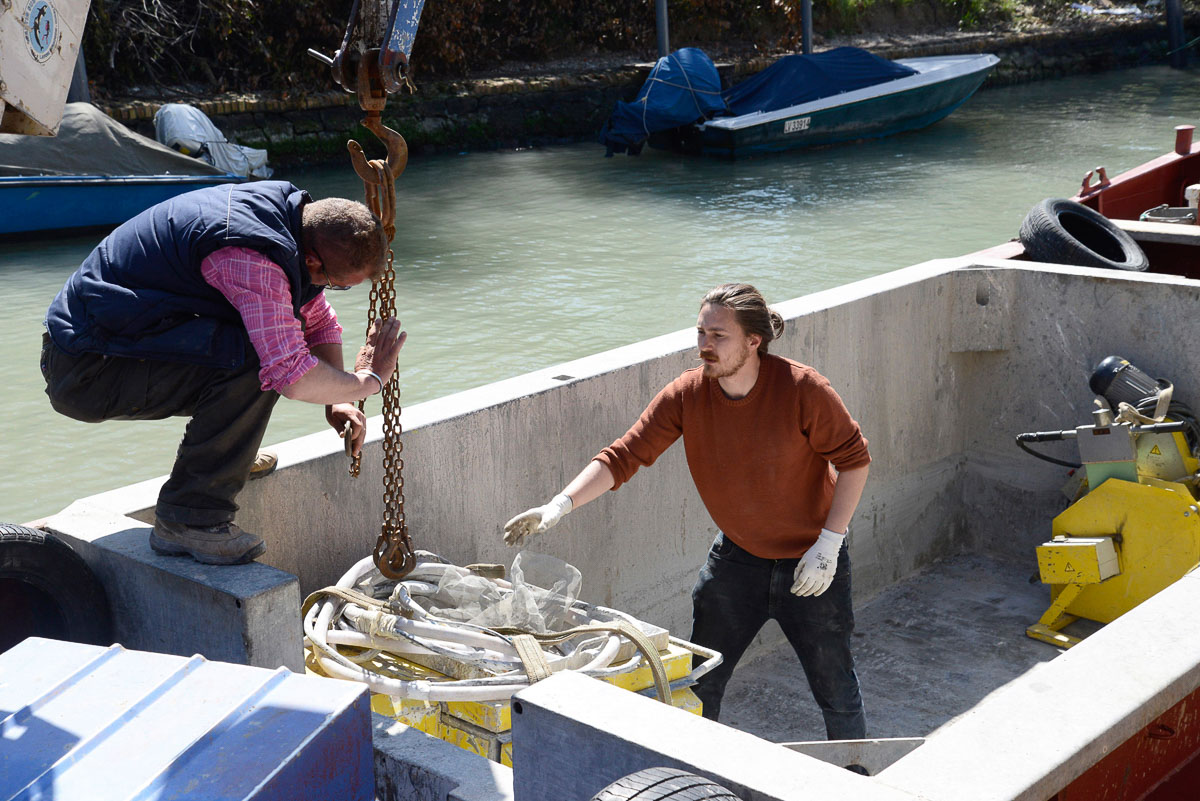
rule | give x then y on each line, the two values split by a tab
476	114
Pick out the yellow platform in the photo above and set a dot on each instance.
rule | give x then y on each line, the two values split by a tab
484	727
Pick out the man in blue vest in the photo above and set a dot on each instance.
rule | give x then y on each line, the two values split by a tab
211	305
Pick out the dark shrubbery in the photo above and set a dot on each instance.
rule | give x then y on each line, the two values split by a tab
216	45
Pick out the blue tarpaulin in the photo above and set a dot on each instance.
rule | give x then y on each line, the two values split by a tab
684	88
793	80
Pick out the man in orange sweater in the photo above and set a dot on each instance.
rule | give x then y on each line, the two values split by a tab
780	465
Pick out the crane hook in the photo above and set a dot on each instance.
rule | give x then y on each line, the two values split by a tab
397	151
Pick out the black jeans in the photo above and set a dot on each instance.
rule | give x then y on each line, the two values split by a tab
738	592
229	414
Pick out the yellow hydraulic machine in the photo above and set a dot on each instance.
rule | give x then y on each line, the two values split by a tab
1134	525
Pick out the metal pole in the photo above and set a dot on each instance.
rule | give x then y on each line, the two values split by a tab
660	16
1175	40
806	26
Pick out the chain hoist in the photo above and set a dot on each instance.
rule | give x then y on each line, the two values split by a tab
393	552
372	73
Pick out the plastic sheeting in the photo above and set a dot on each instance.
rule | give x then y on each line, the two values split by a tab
188	129
543	590
538	595
793	80
682	88
89	142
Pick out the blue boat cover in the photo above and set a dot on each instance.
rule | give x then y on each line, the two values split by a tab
683	88
793	80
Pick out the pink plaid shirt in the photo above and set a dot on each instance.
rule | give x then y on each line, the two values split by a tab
258	288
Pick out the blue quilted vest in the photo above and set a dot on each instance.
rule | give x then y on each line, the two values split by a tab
140	293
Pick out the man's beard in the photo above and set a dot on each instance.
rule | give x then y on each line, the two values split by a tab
716	370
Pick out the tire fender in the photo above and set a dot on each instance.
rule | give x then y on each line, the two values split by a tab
1061	231
663	784
47	590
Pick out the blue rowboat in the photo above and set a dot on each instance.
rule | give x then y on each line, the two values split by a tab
54	203
94	174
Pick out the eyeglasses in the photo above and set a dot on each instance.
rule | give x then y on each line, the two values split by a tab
329	281
329	285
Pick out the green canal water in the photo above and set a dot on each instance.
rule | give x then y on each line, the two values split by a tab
514	261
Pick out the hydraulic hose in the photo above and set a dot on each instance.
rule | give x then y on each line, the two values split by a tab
1046	436
335	617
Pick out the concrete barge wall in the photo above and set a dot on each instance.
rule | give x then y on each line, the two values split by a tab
521	111
942	364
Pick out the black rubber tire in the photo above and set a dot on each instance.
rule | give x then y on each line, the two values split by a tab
656	784
47	590
1061	231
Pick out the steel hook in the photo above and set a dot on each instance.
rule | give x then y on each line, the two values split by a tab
397	151
394	557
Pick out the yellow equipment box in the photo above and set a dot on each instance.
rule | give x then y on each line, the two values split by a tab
1087	560
1152	528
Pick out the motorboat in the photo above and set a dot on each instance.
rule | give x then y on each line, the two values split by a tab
840	95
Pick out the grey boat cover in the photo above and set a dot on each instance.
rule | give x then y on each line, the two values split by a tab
90	142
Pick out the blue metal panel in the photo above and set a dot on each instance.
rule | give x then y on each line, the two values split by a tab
85	722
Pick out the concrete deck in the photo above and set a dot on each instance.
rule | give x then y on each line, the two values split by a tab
1105	704
927	649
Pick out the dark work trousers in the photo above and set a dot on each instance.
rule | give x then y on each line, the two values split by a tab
229	414
738	592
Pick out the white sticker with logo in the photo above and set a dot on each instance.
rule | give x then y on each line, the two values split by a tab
41	29
797	125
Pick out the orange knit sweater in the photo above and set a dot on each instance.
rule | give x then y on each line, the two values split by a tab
763	464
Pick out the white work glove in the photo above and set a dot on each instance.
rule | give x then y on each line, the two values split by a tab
814	572
537	519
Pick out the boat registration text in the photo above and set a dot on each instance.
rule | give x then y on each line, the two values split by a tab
796	125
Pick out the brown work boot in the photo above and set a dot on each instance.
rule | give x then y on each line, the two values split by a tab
225	544
264	463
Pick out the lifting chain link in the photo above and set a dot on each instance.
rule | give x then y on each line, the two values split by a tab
393	551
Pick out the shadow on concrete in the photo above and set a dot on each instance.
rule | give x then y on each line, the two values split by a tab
926	650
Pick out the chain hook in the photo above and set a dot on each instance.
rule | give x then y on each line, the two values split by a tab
397	151
394	556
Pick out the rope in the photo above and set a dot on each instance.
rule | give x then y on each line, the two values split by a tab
532	657
646	99
1183	47
661	684
1128	413
655	79
688	81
